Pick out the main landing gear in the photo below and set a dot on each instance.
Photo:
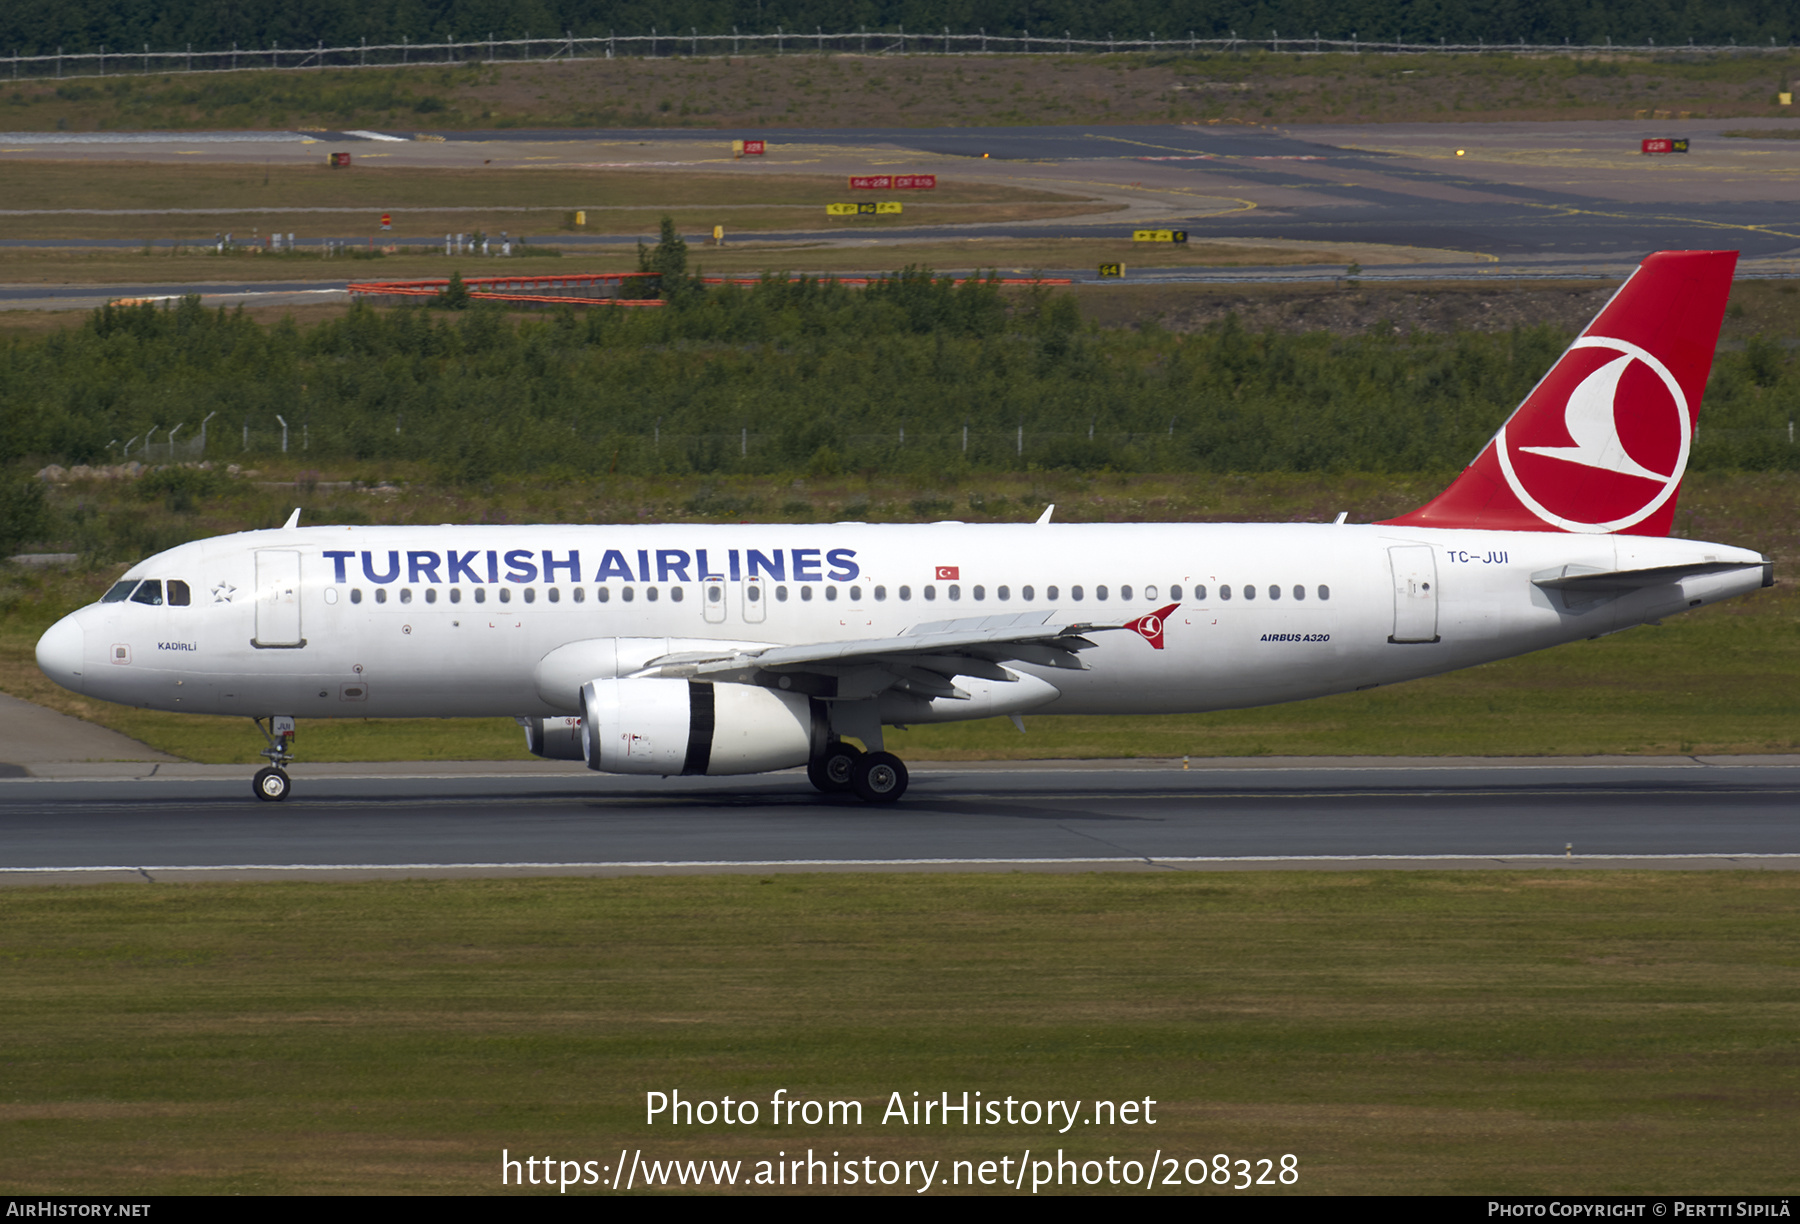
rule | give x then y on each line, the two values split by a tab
874	777
271	783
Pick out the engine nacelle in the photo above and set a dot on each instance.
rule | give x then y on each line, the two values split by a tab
671	726
554	739
561	673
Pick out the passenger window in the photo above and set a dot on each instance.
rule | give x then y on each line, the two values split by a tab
355	594
880	594
1149	592
505	594
381	595
1099	592
430	594
930	592
1274	591
1125	592
650	594
178	593
579	594
149	592
781	594
675	594
331	595
1299	591
855	594
1075	593
714	595
830	592
554	595
955	591
1049	592
1174	591
480	594
119	591
625	593
1225	591
1249	590
603	594
1200	594
1324	592
455	594
905	592
405	594
1003	593
806	594
530	594
980	592
1027	594
752	593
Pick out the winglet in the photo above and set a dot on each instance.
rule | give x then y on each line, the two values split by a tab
1045	516
293	520
1150	627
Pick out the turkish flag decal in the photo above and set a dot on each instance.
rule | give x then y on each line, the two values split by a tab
1150	627
949	573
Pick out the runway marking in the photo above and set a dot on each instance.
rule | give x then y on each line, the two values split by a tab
805	801
925	862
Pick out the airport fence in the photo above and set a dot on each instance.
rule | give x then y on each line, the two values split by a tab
126	61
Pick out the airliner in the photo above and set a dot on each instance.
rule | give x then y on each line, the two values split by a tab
739	649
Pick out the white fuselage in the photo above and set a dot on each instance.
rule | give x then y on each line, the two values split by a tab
453	621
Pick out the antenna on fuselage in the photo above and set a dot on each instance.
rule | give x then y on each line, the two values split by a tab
293	520
1045	516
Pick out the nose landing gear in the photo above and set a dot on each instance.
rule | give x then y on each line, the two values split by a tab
271	784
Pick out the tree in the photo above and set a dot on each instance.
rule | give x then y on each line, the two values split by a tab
455	295
668	259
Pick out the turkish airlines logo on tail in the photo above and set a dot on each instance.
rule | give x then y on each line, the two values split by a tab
1150	627
1602	442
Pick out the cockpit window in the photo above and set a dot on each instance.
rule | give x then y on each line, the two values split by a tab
149	592
119	591
178	593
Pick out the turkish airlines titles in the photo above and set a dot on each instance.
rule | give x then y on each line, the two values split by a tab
521	565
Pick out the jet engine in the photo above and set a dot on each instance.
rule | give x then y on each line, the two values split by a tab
672	726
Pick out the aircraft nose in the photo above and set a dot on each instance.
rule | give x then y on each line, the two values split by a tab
60	651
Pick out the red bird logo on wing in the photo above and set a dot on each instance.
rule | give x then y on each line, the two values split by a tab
1150	627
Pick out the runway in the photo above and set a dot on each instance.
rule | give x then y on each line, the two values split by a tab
1557	197
1674	812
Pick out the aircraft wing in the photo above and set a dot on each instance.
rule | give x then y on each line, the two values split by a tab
924	659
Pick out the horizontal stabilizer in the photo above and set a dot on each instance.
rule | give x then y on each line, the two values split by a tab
1579	578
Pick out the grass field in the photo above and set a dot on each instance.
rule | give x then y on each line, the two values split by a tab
747	257
772	92
1724	679
1481	1032
435	201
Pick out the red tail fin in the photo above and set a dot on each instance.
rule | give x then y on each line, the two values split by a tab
1601	443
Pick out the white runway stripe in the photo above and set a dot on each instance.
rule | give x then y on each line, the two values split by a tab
921	862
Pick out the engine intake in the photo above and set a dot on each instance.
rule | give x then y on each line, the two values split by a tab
671	726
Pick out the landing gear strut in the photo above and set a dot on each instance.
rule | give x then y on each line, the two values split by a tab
271	783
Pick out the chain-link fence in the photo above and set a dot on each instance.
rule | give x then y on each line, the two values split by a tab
124	61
